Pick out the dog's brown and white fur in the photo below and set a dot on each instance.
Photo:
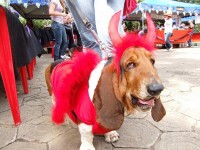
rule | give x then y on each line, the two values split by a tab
135	86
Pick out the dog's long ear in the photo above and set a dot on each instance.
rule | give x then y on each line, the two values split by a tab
158	110
119	85
120	88
110	111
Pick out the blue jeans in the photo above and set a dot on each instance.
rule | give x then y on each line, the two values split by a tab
98	12
190	39
167	42
60	39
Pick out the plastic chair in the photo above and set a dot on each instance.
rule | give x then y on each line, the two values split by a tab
22	72
6	68
30	68
52	52
51	45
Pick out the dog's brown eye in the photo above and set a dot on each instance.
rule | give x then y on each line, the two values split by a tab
152	61
130	65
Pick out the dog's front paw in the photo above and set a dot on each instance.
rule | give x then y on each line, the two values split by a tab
87	146
111	137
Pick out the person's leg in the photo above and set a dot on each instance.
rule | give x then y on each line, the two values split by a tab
79	42
167	42
70	38
87	8
64	43
190	41
104	10
166	45
57	31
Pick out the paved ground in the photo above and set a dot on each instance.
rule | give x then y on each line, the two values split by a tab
179	130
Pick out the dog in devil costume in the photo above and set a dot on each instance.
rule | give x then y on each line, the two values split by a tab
96	94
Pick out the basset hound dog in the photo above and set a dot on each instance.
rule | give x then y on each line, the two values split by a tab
126	84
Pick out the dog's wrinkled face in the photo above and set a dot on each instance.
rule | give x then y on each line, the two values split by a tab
139	84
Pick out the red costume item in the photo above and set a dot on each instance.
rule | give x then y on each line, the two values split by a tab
129	7
70	79
70	86
130	39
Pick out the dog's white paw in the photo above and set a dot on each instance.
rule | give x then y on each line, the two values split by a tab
111	137
87	146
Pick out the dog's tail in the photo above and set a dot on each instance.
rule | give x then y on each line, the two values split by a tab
66	79
47	79
48	72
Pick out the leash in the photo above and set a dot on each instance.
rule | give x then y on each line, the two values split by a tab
89	26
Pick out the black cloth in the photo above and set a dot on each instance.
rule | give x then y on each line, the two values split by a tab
49	33
33	44
44	35
69	32
24	46
37	33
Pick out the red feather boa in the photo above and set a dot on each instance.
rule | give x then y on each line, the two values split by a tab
66	79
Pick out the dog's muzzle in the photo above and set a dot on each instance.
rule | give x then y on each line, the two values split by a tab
155	88
144	105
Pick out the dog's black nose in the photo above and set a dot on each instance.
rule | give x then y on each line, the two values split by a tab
155	88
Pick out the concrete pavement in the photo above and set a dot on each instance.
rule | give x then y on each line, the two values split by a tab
179	130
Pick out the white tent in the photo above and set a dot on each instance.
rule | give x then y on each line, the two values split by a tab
157	8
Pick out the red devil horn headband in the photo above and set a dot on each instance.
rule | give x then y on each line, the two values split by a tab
121	43
118	40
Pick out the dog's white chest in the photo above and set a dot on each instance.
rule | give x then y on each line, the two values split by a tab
94	78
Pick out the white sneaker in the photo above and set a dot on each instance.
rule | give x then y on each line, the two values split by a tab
64	57
170	48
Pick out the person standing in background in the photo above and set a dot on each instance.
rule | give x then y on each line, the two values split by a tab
68	23
57	13
168	29
190	27
99	13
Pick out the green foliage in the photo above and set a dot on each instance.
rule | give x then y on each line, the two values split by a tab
132	25
190	1
197	28
140	1
22	20
39	23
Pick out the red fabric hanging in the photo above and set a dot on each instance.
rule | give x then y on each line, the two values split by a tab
129	6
